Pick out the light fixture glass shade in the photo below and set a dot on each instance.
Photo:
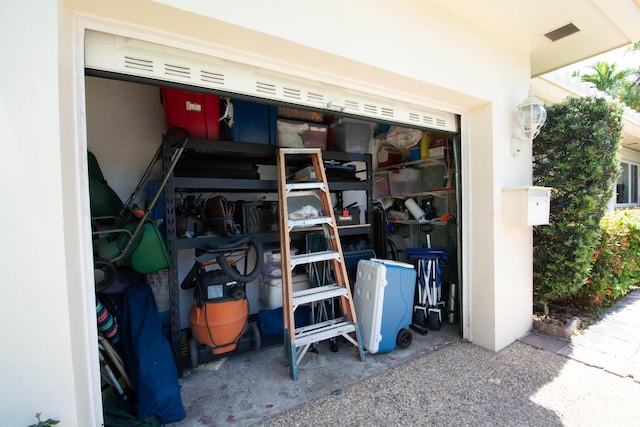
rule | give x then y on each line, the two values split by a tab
531	116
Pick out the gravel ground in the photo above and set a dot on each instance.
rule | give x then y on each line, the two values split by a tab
464	385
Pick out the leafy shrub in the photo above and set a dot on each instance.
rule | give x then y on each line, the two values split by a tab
616	265
576	153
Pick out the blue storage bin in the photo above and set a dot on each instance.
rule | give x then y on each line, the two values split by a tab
254	122
271	322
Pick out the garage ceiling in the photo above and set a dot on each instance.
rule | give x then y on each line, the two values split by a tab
603	26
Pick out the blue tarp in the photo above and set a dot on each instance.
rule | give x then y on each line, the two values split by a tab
148	358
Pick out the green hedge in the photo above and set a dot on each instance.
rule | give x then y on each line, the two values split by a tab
576	153
616	262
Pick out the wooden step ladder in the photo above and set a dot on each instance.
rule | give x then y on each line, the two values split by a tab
297	340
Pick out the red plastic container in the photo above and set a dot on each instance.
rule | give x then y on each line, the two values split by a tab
196	112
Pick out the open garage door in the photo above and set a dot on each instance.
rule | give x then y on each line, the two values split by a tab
122	55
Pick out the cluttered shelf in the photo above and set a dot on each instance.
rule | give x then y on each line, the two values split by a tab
436	193
205	241
190	184
229	149
422	163
415	221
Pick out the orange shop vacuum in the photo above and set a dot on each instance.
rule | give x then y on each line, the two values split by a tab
219	316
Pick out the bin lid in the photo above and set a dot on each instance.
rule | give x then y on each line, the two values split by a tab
392	262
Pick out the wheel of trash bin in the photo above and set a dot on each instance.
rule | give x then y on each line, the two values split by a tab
418	318
434	321
404	338
193	353
255	334
104	273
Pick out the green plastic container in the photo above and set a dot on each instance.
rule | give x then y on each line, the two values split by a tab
146	254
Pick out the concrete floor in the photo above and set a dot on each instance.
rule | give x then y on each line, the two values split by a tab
248	387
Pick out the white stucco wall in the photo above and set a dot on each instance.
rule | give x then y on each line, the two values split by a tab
47	363
421	55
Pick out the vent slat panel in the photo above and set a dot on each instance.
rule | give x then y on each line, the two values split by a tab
118	54
315	98
177	71
387	112
212	77
138	63
291	93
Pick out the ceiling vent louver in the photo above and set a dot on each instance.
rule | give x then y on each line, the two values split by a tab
562	32
352	106
387	112
315	98
291	93
371	109
177	71
266	88
138	63
212	77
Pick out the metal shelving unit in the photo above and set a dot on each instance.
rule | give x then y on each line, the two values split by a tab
256	154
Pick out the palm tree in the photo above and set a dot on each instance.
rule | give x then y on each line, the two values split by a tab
630	93
607	78
633	49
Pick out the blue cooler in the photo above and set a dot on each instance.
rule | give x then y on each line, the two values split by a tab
383	299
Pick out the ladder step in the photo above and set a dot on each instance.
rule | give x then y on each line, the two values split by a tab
293	150
313	257
309	222
319	293
324	332
304	186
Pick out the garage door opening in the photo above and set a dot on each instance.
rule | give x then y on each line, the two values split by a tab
395	198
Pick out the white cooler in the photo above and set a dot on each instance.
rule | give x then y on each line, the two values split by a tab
383	300
271	290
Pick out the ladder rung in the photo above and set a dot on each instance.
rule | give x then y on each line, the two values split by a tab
293	150
324	333
302	186
309	222
313	257
319	293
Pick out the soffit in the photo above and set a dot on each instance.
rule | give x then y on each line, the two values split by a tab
604	25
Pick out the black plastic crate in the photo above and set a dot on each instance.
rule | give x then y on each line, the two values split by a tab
256	217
